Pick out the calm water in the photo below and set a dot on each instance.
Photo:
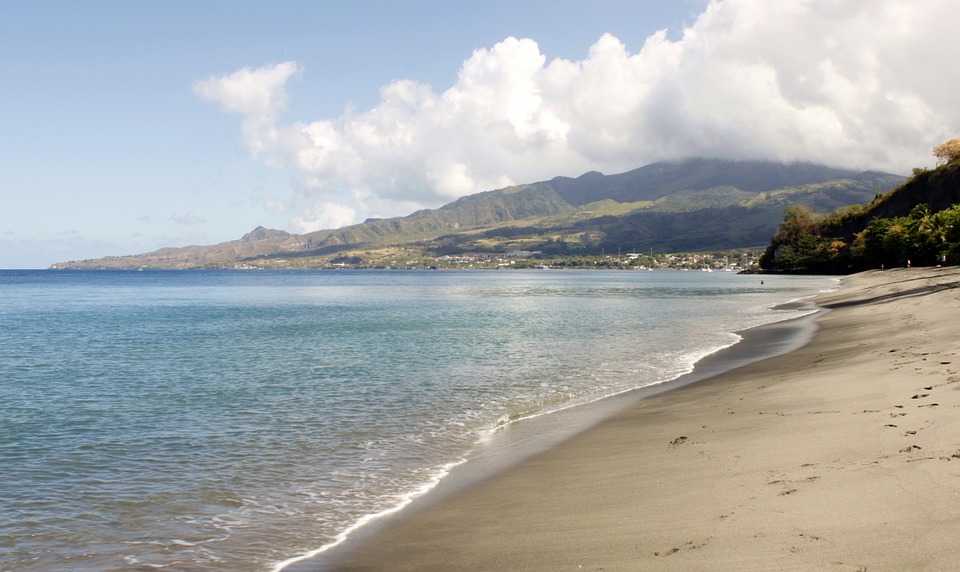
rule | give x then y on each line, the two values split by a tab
232	420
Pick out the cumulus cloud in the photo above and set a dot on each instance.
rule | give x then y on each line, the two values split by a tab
323	215
257	94
853	84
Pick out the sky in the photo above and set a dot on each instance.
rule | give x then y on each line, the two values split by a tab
130	126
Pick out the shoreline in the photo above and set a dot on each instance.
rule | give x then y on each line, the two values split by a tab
526	437
833	454
529	436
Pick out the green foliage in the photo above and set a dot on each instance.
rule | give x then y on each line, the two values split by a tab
798	246
921	238
916	224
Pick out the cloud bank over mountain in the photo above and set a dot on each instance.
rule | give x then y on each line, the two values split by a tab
854	84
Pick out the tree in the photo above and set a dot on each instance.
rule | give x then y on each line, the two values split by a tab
800	246
947	152
927	234
949	220
798	221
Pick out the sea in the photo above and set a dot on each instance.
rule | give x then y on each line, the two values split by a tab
239	420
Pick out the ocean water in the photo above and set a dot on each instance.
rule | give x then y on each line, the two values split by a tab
233	420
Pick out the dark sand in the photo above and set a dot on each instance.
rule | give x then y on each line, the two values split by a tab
843	454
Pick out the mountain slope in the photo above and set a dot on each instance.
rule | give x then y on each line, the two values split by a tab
662	179
916	223
695	204
482	209
707	219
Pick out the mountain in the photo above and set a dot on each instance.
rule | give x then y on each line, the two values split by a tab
261	233
662	179
696	204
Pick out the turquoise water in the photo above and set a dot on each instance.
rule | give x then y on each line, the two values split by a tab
232	420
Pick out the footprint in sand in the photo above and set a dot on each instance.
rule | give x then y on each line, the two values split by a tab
687	546
678	441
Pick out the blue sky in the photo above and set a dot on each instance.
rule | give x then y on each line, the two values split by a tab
130	126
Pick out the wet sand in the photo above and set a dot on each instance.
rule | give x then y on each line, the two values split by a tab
843	454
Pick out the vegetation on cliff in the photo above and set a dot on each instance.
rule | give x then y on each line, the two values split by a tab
916	224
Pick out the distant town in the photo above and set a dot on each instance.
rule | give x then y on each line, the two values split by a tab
727	261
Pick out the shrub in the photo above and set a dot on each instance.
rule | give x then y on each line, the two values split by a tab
947	152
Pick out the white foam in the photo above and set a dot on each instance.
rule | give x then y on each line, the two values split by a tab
760	316
367	519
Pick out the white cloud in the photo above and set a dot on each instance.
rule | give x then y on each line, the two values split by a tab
257	94
856	84
275	205
323	215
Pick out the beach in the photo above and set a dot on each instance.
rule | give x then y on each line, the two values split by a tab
843	454
226	420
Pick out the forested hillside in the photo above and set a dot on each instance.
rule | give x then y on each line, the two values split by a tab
916	224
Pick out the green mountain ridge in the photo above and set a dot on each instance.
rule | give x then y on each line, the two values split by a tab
696	204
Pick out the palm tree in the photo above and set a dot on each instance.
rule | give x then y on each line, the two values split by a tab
930	231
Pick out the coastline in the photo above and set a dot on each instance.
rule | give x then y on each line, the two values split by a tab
844	452
526	437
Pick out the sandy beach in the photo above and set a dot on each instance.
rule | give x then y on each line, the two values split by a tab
843	454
